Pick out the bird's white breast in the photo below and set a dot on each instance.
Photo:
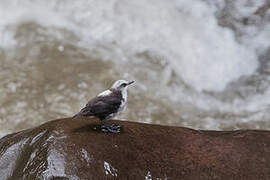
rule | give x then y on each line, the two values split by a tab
124	94
124	100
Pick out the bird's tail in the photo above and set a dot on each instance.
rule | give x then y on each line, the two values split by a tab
76	115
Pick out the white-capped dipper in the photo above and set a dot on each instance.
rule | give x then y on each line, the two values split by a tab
107	105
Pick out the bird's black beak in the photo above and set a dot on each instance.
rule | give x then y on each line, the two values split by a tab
131	82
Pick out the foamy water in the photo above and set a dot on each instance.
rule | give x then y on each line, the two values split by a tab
200	64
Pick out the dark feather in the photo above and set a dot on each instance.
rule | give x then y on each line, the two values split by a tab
102	106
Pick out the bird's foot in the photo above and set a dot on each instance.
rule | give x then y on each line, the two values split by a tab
115	126
110	128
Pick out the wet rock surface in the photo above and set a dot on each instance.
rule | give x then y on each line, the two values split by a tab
77	149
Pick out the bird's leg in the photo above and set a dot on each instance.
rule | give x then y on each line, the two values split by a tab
105	127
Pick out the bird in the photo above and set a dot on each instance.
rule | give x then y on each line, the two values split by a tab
106	105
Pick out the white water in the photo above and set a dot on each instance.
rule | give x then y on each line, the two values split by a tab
195	62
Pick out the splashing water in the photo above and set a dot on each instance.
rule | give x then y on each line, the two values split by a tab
200	64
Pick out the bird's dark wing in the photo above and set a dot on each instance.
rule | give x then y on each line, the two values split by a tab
101	106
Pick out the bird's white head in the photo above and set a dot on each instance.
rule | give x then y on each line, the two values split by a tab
121	85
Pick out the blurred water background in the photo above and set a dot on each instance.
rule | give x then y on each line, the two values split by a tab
197	63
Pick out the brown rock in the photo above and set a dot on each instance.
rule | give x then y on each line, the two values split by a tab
77	149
